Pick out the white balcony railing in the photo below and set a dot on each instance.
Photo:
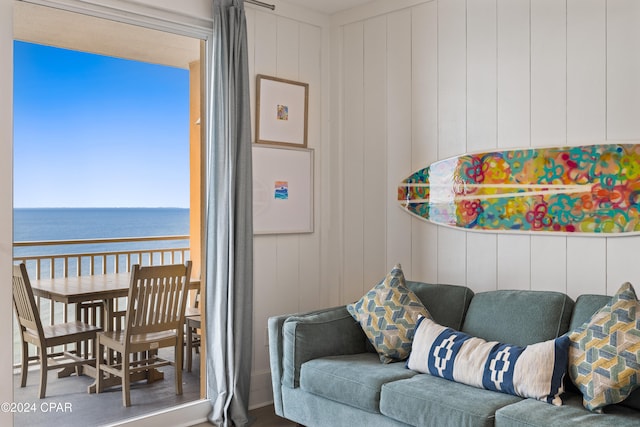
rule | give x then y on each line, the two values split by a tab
88	262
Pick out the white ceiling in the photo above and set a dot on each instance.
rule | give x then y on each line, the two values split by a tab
328	7
55	27
43	25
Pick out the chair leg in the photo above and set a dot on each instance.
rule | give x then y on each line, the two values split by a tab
25	364
189	348
178	367
126	381
43	372
99	362
79	353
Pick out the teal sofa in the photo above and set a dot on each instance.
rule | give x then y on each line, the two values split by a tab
325	372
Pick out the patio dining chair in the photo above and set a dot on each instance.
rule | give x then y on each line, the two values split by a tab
193	324
154	319
193	337
45	338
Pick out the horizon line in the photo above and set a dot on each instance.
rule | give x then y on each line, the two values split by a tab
99	207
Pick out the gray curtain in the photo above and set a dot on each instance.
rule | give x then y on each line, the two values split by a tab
229	228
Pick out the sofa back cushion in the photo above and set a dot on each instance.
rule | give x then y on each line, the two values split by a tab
518	317
586	306
447	304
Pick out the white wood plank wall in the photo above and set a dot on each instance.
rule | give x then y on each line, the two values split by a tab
288	276
395	86
464	76
423	149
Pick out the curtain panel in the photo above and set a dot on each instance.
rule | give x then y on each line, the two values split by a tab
229	229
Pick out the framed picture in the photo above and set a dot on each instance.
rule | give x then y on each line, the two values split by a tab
281	111
282	190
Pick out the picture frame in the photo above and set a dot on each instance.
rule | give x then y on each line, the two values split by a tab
281	111
282	189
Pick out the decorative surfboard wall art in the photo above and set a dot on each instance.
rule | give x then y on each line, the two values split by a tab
590	189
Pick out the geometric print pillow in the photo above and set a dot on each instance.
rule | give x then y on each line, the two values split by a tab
535	371
388	314
605	352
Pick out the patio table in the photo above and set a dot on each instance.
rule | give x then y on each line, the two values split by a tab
96	298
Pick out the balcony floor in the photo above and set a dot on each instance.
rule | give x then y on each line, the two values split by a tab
99	409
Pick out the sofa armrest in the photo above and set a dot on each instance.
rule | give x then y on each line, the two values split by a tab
296	339
274	327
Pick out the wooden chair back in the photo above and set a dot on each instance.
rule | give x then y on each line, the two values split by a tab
25	303
157	298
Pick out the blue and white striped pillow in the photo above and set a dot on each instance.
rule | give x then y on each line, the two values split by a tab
534	371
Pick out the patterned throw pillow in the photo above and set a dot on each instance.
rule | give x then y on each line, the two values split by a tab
534	371
388	314
605	352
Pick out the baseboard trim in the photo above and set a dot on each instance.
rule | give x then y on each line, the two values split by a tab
185	415
260	405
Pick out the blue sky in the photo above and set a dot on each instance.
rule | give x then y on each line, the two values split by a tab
97	131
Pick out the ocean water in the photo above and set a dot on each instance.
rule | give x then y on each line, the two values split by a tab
37	224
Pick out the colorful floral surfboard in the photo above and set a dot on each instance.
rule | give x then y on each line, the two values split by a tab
584	189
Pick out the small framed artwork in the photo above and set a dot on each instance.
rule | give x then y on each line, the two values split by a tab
281	111
282	189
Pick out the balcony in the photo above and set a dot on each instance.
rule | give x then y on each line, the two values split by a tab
55	264
67	402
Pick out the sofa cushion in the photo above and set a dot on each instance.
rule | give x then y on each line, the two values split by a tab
388	315
585	307
424	400
532	413
518	317
447	304
605	352
534	371
354	380
307	409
